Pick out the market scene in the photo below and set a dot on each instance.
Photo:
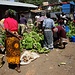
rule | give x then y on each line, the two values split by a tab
37	37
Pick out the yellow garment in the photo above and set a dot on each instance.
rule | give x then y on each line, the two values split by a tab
13	60
12	47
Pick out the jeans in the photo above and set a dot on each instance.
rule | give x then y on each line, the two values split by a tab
48	38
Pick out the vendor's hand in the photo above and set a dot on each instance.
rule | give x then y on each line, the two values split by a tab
20	37
55	29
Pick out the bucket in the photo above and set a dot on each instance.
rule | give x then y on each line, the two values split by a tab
1	60
73	38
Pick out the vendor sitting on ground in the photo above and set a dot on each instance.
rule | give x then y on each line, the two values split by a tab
59	37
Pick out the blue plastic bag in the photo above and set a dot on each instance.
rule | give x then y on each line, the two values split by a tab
67	29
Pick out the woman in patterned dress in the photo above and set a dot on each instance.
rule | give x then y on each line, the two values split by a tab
12	45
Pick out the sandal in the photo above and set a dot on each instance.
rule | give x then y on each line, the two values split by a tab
18	70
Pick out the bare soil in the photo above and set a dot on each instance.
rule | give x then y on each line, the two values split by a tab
57	62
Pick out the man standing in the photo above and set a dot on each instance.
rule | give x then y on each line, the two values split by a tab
23	23
48	24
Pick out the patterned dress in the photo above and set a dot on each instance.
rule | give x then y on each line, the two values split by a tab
12	50
12	44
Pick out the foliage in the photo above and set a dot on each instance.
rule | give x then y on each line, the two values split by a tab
2	37
72	29
41	50
38	2
66	0
35	29
56	9
32	41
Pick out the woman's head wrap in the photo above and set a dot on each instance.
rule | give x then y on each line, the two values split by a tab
10	13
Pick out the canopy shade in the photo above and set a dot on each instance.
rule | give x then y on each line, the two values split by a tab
10	3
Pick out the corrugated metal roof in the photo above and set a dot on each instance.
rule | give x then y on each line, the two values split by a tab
17	4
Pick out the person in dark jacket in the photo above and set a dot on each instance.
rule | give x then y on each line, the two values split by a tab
59	35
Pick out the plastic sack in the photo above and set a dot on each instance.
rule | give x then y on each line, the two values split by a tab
27	57
67	29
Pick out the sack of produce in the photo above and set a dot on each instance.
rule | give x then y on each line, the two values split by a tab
27	57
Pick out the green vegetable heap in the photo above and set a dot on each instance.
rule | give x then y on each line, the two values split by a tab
32	41
72	29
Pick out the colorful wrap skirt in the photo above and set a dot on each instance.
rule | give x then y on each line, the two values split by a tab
12	46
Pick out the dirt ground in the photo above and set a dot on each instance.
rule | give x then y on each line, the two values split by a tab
57	62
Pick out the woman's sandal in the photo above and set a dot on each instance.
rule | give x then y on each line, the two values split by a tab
18	70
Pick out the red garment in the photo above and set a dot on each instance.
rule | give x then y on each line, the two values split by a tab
61	32
60	21
11	24
74	21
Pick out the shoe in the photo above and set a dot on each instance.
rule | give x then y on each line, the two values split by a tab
65	43
56	46
51	48
46	48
